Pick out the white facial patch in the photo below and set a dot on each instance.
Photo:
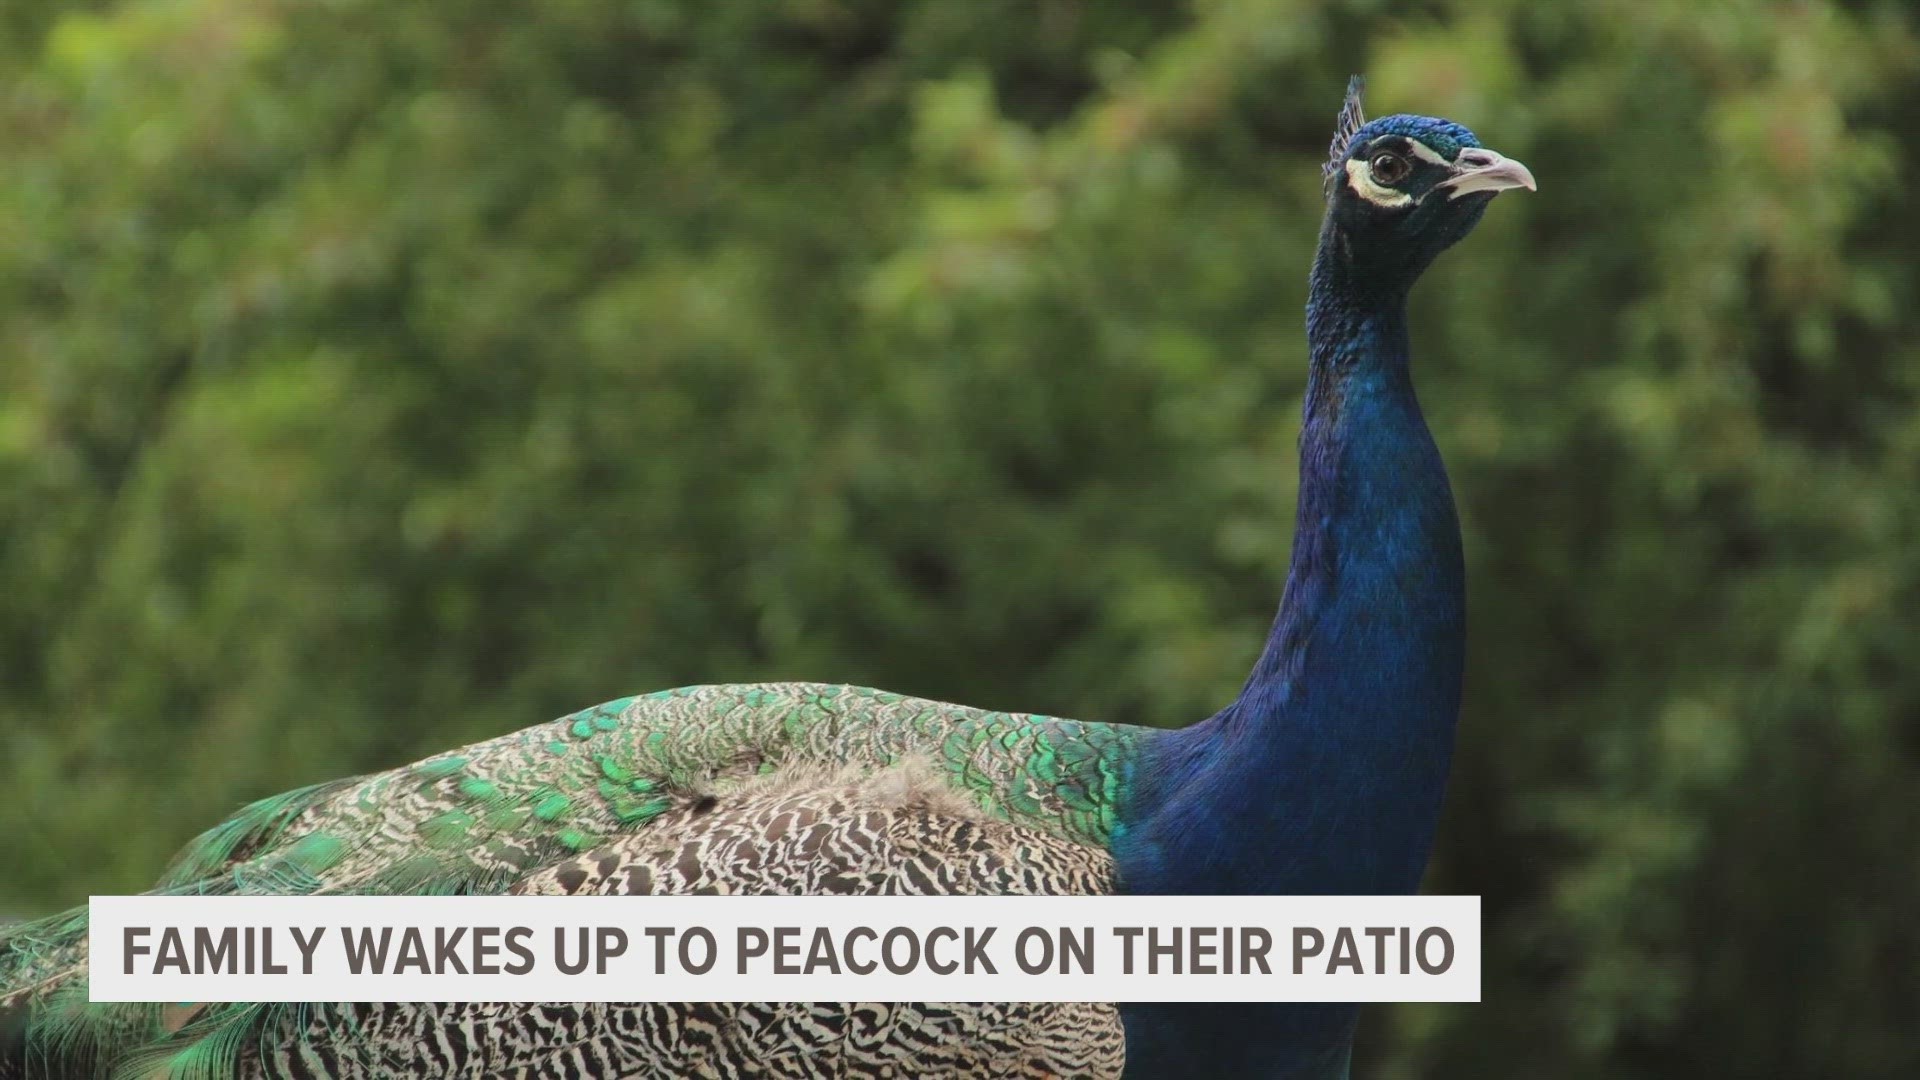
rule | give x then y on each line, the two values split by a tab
1424	152
1360	179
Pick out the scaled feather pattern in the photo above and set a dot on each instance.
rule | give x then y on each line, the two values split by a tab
797	789
1323	776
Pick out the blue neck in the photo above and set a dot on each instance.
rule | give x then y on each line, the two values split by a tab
1325	774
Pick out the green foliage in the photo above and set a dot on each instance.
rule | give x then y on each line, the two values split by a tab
379	377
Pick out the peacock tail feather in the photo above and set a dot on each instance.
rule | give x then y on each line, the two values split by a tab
1324	775
774	789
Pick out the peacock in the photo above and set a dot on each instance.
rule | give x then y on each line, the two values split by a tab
1324	776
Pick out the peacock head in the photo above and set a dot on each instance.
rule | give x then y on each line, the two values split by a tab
1402	189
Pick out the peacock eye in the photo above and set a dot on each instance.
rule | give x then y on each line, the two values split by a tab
1389	168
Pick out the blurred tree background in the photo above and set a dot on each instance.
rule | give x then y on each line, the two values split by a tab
378	377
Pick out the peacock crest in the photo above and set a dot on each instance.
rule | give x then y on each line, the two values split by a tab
1352	118
1322	776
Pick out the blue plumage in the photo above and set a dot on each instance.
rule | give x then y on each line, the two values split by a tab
1444	137
1325	775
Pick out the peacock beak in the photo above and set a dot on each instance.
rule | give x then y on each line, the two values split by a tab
1480	169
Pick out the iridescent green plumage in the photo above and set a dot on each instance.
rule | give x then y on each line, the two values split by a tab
1324	776
678	767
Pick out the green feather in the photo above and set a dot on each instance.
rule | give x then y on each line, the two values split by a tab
479	820
254	827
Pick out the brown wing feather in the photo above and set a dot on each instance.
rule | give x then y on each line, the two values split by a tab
897	832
